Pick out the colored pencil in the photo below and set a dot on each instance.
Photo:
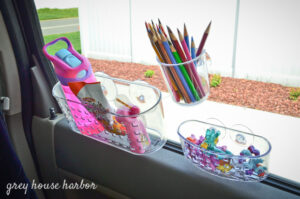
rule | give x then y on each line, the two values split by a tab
153	26
162	28
186	37
167	72
157	28
177	92
193	53
177	81
180	51
171	71
183	57
185	74
203	40
156	51
198	82
173	61
176	44
153	30
182	76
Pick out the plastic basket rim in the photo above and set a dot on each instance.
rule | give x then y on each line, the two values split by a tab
119	80
221	154
183	63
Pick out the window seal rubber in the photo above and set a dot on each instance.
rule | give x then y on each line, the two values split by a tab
272	180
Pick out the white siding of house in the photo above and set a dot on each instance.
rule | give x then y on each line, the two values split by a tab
268	42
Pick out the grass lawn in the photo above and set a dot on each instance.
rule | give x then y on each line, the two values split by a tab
55	13
74	37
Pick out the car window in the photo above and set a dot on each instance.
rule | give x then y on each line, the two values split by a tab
251	59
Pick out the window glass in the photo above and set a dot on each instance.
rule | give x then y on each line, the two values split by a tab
252	45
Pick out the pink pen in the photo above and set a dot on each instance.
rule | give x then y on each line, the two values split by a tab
137	135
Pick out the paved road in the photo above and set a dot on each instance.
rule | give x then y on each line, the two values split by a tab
58	26
56	4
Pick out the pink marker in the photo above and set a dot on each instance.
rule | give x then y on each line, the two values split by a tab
137	134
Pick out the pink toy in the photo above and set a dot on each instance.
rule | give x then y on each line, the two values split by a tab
137	135
134	110
68	71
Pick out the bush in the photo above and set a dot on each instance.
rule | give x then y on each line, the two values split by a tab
149	73
294	93
215	80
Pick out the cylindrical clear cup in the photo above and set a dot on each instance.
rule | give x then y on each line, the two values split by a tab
187	82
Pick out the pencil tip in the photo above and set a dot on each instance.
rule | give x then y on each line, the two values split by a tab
185	30
152	23
180	35
163	38
208	28
178	31
172	47
192	42
169	29
159	21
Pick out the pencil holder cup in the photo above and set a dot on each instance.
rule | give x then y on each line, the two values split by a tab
137	132
225	152
187	82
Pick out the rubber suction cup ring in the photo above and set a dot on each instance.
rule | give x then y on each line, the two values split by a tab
108	86
142	96
241	138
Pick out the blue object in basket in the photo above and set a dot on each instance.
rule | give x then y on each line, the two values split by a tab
71	60
68	58
211	140
254	166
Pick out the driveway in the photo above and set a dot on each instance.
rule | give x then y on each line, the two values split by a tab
58	26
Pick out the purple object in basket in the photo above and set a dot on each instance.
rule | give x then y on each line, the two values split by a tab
253	150
201	139
67	72
223	148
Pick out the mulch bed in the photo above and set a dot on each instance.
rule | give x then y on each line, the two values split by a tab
241	92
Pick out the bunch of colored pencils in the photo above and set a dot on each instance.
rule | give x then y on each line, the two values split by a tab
181	75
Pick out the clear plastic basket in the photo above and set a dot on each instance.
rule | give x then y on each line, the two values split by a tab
188	82
232	154
144	132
